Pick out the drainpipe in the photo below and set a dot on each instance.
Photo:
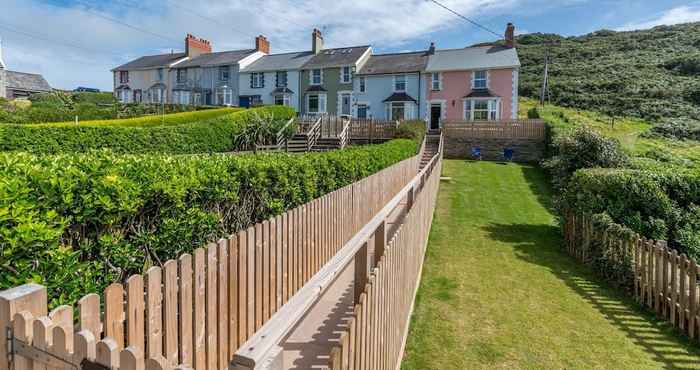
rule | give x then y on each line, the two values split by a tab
420	92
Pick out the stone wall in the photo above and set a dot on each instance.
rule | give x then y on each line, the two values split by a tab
524	149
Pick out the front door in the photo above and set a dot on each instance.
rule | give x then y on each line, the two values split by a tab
244	101
435	115
345	104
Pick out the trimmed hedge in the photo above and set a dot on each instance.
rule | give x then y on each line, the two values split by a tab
150	120
78	222
206	136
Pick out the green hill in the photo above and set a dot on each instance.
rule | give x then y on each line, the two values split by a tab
651	74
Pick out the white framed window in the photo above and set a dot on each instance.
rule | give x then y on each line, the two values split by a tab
435	82
400	83
181	97
224	96
181	75
160	74
282	99
124	95
362	110
316	76
316	103
123	77
396	110
223	73
480	80
257	80
281	79
481	109
346	75
363	86
157	96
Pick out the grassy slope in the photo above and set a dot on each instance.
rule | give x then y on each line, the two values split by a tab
627	130
498	291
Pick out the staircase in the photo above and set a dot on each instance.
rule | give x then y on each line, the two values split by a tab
326	143
432	144
298	143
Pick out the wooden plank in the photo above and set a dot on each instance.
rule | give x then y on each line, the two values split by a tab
272	245
199	324
286	257
89	314
279	262
135	310
233	283
692	297
107	353
674	288
114	313
131	358
242	238
211	305
154	312
62	316
170	313
23	329
264	264
683	292
223	320
84	342
251	281
186	310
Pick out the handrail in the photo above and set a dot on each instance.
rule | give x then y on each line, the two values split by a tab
262	348
314	133
281	139
344	134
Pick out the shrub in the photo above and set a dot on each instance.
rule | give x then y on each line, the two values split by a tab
205	136
411	130
533	113
677	128
77	222
151	120
613	261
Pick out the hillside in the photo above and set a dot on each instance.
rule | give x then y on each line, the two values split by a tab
651	74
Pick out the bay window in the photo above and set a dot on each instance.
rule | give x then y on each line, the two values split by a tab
224	96
397	111
282	99
481	109
316	103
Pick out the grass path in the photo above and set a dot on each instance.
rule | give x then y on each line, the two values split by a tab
498	292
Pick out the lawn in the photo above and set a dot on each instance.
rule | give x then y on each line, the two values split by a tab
499	292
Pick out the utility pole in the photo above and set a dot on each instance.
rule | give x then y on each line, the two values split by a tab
545	79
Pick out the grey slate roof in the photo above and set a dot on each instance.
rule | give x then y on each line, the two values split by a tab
216	59
151	61
399	97
26	81
481	93
338	57
480	57
395	63
279	62
315	88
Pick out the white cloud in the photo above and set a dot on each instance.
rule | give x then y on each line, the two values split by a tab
386	24
681	14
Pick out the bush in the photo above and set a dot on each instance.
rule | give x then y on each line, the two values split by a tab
533	113
411	130
677	128
78	222
205	136
151	120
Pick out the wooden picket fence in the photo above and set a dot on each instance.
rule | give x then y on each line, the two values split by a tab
371	130
526	129
376	334
195	312
663	280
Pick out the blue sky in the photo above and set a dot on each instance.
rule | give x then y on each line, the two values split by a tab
76	42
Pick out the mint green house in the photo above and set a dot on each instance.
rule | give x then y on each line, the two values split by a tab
327	78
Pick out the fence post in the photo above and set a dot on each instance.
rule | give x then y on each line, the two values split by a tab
28	297
361	271
379	242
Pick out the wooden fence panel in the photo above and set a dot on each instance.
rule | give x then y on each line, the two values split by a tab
534	129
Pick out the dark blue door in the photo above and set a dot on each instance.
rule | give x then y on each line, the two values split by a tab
244	101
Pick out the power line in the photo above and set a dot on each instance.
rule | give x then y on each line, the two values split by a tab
466	19
206	17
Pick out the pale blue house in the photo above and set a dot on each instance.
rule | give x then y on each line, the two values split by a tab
388	86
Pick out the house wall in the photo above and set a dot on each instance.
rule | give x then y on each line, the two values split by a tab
380	87
140	80
265	92
330	82
457	84
3	90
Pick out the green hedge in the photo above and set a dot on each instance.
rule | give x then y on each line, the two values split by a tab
204	136
151	120
77	222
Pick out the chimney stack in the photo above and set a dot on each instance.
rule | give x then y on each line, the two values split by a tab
262	45
195	46
431	49
316	41
510	35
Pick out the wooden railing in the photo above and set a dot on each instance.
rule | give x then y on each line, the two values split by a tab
314	133
663	280
280	139
527	129
195	312
345	134
376	334
371	130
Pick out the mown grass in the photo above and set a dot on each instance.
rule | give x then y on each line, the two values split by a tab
625	129
498	291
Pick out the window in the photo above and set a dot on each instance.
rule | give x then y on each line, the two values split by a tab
123	77
480	80
362	111
160	74
224	96
181	97
346	75
436	84
316	77
156	95
223	73
400	83
316	103
362	84
257	80
481	110
396	111
197	98
124	95
282	99
181	75
281	79
345	104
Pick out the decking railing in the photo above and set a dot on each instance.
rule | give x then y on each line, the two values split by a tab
663	280
530	129
196	311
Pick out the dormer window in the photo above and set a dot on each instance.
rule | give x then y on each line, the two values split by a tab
480	80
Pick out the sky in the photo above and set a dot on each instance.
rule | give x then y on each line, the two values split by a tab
76	42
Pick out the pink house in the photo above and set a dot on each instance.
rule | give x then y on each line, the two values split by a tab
472	84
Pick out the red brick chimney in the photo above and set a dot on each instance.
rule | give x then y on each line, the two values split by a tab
262	45
316	41
510	35
195	46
